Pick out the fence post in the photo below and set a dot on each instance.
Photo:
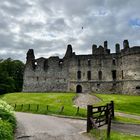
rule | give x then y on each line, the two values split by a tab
89	115
21	106
47	108
77	110
106	113
37	107
62	108
109	127
112	104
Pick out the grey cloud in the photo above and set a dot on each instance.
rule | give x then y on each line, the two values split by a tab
48	26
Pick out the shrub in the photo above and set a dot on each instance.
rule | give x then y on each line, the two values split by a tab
6	131
7	113
6	107
8	117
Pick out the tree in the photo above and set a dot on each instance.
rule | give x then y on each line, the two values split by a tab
11	75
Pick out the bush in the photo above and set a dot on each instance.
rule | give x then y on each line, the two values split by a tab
6	107
6	131
8	117
7	113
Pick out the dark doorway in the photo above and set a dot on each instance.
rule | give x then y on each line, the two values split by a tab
114	74
79	89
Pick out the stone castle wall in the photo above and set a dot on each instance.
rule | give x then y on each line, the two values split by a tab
100	71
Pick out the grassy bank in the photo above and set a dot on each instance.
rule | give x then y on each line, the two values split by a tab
50	103
123	103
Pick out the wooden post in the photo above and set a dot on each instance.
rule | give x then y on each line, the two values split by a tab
106	113
77	110
109	127
112	104
89	115
21	106
37	107
29	107
47	108
62	108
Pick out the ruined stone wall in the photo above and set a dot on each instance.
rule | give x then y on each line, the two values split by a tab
47	75
131	73
98	63
101	71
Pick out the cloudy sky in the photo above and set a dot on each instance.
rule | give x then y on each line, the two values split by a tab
47	26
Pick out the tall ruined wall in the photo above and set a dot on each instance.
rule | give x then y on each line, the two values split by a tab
101	71
100	62
120	71
46	75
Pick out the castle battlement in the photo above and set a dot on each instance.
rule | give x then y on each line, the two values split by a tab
100	71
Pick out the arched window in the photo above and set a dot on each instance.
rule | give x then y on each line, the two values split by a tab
100	75
89	75
114	61
79	74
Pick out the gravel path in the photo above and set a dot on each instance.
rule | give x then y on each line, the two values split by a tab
126	128
127	115
84	99
43	127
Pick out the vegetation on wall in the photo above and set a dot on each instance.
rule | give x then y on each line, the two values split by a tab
11	75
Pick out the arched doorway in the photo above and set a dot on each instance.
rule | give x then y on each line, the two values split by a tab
79	89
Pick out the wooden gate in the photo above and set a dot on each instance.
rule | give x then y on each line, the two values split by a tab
99	116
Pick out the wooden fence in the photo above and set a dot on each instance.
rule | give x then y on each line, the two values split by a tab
37	107
100	116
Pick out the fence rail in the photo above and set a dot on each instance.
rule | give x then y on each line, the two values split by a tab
47	108
100	116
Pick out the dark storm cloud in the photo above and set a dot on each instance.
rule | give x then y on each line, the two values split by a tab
48	26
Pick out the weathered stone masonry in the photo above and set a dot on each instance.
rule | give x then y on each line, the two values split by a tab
100	71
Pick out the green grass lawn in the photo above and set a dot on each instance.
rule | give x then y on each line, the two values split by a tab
101	135
123	103
54	101
126	120
40	98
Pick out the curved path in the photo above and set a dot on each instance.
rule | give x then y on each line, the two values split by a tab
84	99
43	127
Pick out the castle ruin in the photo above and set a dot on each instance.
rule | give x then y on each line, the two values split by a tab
101	71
